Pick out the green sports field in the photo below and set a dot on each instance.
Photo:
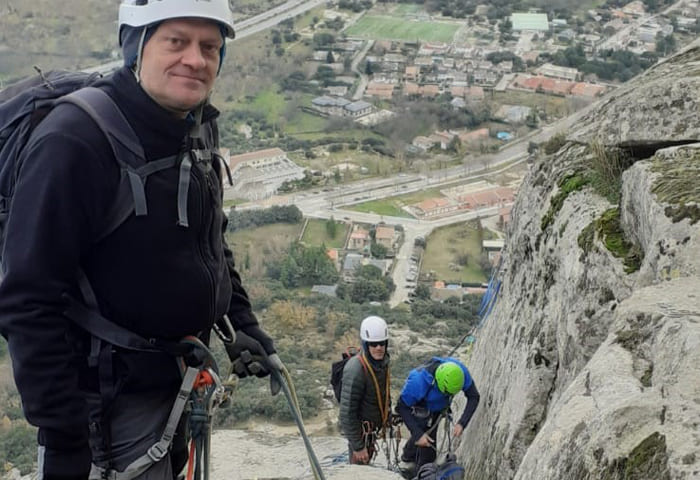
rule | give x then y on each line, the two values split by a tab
389	28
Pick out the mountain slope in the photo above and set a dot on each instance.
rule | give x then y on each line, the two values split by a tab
597	327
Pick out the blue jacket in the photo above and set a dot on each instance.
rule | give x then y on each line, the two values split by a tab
420	390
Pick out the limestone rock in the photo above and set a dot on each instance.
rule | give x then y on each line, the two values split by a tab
589	363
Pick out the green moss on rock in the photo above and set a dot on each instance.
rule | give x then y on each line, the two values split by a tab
648	460
568	184
586	238
612	235
678	184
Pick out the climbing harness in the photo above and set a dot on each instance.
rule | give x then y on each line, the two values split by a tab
207	394
201	391
448	469
369	439
391	445
384	405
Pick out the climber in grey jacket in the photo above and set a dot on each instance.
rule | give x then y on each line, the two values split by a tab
365	401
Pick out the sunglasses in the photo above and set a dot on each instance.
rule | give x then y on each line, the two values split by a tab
383	343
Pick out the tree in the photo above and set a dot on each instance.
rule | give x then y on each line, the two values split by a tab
369	272
323	39
290	273
378	250
532	121
331	228
665	45
369	291
423	291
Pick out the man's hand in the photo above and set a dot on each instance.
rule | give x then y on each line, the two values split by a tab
457	430
360	457
247	356
425	441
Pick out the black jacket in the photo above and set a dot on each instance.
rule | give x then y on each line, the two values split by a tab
151	276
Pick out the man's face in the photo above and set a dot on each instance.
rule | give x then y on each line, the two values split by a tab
180	62
377	349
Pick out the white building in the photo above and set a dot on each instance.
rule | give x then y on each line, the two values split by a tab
258	175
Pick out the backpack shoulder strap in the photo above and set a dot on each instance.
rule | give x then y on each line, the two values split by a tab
111	121
127	150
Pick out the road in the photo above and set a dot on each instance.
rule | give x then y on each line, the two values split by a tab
364	79
614	40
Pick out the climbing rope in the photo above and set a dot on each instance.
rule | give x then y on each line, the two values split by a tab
285	381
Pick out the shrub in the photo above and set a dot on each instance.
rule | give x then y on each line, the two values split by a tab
554	143
607	165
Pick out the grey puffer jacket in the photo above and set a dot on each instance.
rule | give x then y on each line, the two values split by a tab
358	398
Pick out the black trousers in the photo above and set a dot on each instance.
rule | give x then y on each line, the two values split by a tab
421	455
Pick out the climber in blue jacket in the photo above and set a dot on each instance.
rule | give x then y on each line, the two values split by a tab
427	393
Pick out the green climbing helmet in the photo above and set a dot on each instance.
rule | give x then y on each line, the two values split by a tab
450	378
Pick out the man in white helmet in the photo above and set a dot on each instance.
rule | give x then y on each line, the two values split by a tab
365	401
164	275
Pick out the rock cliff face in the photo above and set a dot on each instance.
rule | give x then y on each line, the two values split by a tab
589	364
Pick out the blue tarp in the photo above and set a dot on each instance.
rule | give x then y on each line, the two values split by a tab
490	297
504	136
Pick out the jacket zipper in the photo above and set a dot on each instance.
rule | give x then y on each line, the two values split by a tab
203	239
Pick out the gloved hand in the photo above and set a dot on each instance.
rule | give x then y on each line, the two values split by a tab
253	353
247	356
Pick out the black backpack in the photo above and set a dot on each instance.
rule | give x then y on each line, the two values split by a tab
448	470
337	370
24	105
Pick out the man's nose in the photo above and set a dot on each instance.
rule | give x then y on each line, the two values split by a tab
193	56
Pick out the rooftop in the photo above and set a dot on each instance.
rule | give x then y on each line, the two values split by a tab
530	21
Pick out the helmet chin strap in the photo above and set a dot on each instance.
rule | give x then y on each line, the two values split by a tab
139	55
196	130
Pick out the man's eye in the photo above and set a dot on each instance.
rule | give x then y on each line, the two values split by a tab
175	42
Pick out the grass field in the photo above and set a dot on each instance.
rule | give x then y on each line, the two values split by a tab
306	126
419	196
316	234
253	248
390	207
271	103
447	244
408	9
390	28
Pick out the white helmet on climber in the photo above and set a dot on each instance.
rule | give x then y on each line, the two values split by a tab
374	329
139	13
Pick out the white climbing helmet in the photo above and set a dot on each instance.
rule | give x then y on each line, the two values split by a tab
374	329
138	13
